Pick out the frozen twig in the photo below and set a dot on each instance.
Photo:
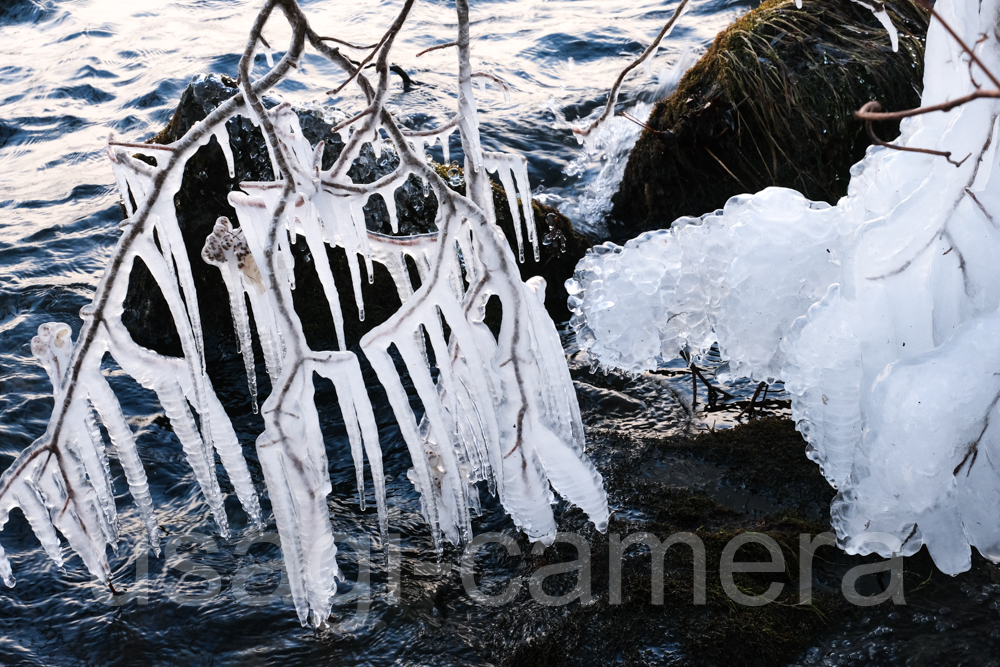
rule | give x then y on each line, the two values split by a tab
502	411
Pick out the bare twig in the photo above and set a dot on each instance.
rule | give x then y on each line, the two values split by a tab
629	117
446	45
713	391
432	133
873	115
865	114
349	45
153	147
750	409
387	37
492	77
609	109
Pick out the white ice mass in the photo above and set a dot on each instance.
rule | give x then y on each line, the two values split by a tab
880	313
500	410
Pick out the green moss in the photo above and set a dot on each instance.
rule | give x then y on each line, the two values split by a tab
771	103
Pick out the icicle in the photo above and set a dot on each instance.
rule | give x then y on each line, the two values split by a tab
267	330
176	407
880	14
222	136
520	170
227	445
389	197
72	507
338	216
30	500
358	216
384	367
189	334
5	572
446	145
507	166
255	119
298	484
109	410
222	249
508	185
95	458
345	372
53	348
314	239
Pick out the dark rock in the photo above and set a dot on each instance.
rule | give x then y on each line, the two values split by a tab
771	103
203	198
608	401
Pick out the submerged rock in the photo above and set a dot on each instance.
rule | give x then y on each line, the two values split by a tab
203	198
771	103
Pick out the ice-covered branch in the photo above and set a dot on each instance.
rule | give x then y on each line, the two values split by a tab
870	311
872	111
501	411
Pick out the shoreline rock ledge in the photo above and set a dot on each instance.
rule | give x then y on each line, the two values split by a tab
771	103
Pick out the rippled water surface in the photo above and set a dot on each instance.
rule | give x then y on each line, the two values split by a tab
73	71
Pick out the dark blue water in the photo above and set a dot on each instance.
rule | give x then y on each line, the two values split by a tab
72	71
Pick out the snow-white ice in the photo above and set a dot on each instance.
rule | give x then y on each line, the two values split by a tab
497	410
879	313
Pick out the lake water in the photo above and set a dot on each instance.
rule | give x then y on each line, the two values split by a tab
73	71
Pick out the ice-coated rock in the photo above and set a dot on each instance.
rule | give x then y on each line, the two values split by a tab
879	313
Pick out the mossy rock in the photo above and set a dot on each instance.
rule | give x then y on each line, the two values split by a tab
771	104
202	199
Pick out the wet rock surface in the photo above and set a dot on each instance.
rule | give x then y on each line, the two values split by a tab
945	621
771	103
717	485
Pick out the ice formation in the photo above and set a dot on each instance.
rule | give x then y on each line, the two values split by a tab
879	313
500	410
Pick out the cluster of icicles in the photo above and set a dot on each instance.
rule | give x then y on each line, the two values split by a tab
880	314
500	411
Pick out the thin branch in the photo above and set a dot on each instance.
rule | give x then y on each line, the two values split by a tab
609	109
868	113
351	121
349	45
491	77
723	165
153	147
713	391
446	45
965	47
750	408
875	106
456	119
629	117
387	37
